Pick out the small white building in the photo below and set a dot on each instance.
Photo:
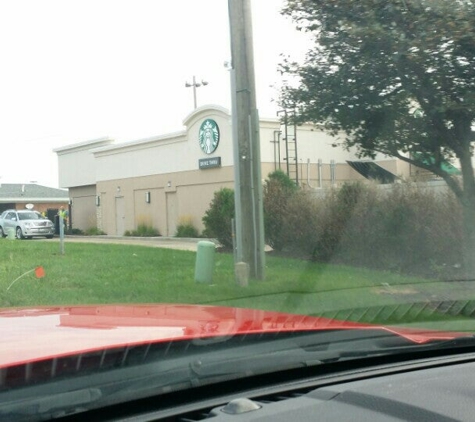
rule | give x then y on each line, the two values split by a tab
159	180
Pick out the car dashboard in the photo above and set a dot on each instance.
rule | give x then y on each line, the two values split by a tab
435	389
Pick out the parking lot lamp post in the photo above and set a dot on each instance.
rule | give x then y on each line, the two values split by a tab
195	85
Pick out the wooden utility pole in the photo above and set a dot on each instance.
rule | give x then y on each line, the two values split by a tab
249	229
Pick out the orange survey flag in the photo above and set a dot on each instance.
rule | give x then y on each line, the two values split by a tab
39	272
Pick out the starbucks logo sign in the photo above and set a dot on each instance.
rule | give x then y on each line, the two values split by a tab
209	136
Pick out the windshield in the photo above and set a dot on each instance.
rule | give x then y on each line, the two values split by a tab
29	216
216	180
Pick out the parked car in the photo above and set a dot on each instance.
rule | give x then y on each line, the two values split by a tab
26	224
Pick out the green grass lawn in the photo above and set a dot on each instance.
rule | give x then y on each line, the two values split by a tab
107	273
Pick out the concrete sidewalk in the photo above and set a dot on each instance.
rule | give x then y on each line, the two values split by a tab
184	244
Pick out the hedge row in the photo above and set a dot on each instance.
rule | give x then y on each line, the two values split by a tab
406	228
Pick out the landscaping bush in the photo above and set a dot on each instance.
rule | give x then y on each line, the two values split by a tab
348	216
186	227
302	228
278	192
217	219
283	180
143	230
406	229
403	228
76	232
93	231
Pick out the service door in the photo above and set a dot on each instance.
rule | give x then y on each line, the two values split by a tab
120	216
172	214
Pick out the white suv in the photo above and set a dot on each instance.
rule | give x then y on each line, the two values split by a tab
26	224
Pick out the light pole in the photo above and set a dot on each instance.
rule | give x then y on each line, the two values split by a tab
195	85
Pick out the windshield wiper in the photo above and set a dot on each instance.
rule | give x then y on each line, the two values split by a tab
459	344
314	349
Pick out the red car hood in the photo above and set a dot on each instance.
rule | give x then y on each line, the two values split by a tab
35	334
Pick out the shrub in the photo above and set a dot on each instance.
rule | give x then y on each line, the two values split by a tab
93	231
186	227
404	228
337	216
143	230
302	227
283	180
277	195
217	219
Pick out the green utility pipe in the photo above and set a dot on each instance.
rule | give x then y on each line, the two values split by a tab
204	262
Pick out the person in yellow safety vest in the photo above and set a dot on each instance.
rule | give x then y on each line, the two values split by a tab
63	213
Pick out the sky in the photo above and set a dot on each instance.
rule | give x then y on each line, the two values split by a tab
74	71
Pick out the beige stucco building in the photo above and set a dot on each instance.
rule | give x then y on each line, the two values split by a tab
160	180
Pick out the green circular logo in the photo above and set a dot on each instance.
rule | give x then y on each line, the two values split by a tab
209	136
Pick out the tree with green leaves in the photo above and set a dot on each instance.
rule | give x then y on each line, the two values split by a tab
396	77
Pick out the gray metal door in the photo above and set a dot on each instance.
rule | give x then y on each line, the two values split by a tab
120	216
172	214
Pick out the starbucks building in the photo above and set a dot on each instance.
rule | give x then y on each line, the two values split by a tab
162	180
